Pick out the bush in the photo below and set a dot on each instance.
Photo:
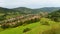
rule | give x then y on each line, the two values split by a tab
44	21
4	26
27	29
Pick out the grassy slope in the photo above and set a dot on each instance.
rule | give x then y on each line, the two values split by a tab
42	28
36	28
19	30
39	29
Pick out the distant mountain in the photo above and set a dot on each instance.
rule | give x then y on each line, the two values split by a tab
9	11
47	9
24	10
34	11
6	10
6	13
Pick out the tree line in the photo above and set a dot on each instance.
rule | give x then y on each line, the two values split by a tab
21	21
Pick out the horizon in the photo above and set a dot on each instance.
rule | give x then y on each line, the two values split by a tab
30	8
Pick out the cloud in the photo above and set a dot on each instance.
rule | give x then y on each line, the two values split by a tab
29	3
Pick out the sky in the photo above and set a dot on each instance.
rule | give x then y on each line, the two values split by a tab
29	3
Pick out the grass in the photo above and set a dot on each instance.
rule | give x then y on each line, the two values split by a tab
42	28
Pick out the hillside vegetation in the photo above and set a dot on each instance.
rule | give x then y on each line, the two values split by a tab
36	28
24	20
55	16
11	13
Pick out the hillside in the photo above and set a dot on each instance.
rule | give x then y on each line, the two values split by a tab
23	10
6	13
55	16
19	30
47	9
35	28
23	20
35	11
28	10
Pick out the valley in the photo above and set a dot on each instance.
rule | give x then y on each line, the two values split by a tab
24	20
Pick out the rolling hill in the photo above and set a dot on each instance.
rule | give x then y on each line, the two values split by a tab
34	11
28	10
6	13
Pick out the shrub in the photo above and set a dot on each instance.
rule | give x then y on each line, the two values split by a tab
45	23
27	29
4	26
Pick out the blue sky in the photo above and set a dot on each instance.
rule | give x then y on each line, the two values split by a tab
29	3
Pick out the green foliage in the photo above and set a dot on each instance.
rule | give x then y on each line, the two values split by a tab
11	24
26	30
2	18
5	26
44	21
55	16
